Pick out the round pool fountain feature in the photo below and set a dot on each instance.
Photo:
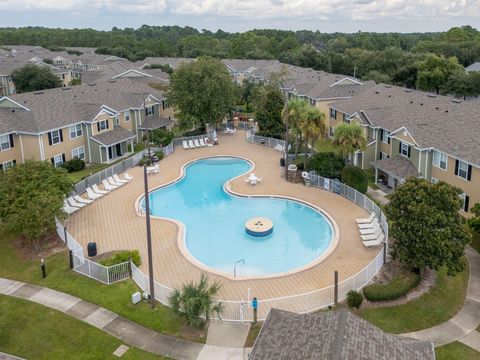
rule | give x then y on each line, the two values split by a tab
259	226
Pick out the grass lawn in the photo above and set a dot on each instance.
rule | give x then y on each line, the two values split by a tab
441	303
456	351
34	331
371	179
116	297
324	145
80	175
252	334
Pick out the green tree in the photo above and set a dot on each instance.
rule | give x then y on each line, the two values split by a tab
268	102
427	227
196	300
463	85
349	138
356	178
434	71
31	195
313	126
203	91
326	164
34	78
296	114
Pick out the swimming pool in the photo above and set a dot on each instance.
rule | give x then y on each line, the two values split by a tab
215	222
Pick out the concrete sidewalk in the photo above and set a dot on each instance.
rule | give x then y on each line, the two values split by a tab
467	319
128	331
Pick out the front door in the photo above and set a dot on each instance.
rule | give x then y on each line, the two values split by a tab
119	149
110	153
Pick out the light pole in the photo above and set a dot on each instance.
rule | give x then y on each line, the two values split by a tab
149	239
286	135
146	125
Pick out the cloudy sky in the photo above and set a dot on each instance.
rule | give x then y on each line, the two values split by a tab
241	15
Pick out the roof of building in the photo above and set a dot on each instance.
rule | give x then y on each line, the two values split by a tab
55	108
434	121
473	67
117	135
333	335
398	166
154	122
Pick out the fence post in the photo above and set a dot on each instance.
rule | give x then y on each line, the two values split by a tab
108	275
130	267
384	252
70	257
65	234
335	293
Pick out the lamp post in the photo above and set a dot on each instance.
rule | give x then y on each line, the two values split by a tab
146	124
149	239
286	135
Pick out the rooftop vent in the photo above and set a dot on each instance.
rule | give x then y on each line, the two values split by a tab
411	101
436	108
377	92
38	92
456	101
66	88
388	86
408	90
446	111
421	104
432	95
92	84
389	95
13	110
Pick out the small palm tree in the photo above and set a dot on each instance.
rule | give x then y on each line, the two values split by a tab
296	114
195	301
313	127
349	138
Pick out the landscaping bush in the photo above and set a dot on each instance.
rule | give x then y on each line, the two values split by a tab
159	154
354	299
195	132
145	161
123	256
356	178
399	286
161	137
74	165
327	164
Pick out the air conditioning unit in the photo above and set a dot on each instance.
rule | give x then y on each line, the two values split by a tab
136	298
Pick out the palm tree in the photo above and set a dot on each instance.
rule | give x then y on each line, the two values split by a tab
349	138
314	127
296	114
196	300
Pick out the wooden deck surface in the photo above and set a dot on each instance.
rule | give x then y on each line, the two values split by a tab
112	222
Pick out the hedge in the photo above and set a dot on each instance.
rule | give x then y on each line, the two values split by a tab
356	178
399	286
326	164
121	257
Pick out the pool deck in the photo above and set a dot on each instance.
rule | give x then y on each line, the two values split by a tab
113	223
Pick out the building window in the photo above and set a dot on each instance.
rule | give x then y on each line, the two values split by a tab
346	119
55	137
116	120
6	142
58	160
102	125
440	160
333	113
78	153
126	115
8	164
404	149
75	131
149	110
385	136
383	156
434	181
463	170
332	131
465	202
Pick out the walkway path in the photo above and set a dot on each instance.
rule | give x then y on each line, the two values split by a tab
462	326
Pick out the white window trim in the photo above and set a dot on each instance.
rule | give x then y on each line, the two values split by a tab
7	142
59	138
103	122
150	111
434	180
386	135
462	197
401	150
75	131
9	163
126	116
55	162
466	171
78	150
440	155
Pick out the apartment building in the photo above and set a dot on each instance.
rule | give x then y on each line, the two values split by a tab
98	122
413	133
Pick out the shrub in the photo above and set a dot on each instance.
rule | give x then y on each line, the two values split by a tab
198	131
161	137
354	299
159	154
474	224
399	286
74	165
121	257
327	164
145	161
356	178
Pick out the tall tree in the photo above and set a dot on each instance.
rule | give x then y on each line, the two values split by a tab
34	78
349	138
203	91
427	227
297	111
313	126
434	71
31	195
269	103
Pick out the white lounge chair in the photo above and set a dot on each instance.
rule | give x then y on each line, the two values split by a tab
108	186
259	179
112	182
281	148
67	208
370	230
372	236
185	145
196	143
366	220
99	191
208	142
202	143
128	177
190	144
74	203
375	242
153	169
80	199
93	195
368	225
118	180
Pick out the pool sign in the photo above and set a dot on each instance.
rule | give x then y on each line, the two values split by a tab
254	303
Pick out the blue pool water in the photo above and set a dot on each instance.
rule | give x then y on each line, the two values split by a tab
215	222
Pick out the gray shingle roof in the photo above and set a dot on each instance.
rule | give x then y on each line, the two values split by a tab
444	123
333	335
154	122
115	136
473	67
397	166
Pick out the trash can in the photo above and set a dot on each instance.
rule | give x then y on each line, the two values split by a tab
92	248
282	161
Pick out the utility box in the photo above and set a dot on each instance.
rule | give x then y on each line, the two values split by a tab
92	249
136	298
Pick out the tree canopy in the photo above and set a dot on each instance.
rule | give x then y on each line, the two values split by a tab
268	102
349	138
203	91
31	195
34	78
427	227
